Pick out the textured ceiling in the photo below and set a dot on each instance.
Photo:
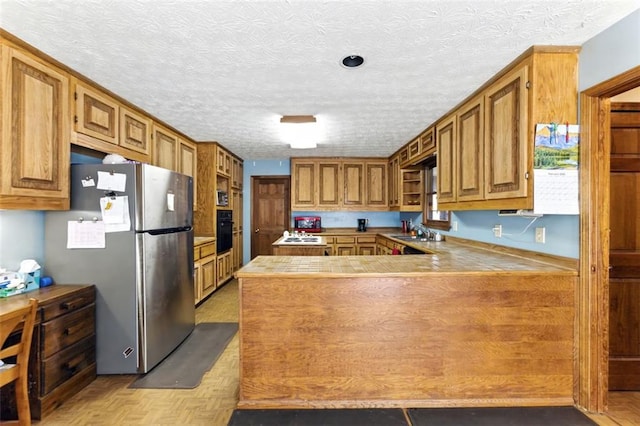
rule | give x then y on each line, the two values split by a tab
227	70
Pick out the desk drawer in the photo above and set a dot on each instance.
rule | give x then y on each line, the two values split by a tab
67	363
75	301
345	240
207	249
369	239
67	330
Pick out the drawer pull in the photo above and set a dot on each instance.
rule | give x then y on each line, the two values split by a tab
72	330
71	304
70	369
72	365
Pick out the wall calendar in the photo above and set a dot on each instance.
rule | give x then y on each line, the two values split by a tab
555	169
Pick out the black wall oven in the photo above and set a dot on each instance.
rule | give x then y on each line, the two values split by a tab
224	230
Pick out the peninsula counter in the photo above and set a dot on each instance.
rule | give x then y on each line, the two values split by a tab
462	327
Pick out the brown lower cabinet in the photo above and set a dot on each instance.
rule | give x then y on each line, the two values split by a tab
63	349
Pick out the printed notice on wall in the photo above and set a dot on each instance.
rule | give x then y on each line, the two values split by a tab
555	169
85	234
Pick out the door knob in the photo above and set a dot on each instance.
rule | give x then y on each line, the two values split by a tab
257	230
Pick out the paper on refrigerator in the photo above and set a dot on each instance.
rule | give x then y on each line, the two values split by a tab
115	213
85	234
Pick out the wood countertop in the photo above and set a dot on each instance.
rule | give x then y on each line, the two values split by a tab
203	240
449	257
42	295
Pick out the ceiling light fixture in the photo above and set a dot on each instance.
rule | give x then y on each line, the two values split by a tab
352	61
300	131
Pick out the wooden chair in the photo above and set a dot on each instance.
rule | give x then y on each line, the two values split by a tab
18	372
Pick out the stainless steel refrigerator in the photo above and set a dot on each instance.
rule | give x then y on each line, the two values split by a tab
144	275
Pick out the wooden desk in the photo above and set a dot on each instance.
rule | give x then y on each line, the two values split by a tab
63	356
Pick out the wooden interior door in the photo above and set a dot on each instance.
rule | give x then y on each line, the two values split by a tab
270	201
624	254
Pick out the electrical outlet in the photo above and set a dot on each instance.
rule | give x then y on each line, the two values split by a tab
497	231
540	235
454	226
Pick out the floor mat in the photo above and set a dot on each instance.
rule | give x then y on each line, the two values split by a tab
499	416
185	366
313	417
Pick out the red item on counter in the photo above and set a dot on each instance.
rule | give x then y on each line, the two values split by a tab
395	251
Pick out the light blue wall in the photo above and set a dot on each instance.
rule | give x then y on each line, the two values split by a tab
562	232
610	53
349	219
21	237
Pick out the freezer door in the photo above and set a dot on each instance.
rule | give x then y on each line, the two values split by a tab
164	199
166	308
158	198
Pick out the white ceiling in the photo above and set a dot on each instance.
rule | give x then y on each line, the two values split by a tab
227	70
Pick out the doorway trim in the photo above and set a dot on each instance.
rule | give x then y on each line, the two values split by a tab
592	310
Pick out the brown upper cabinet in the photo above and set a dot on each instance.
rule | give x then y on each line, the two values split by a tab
394	181
165	147
339	184
418	149
96	114
188	163
405	183
172	151
303	184
223	162
237	171
55	107
34	150
446	139
105	124
135	131
470	149
376	181
212	159
485	145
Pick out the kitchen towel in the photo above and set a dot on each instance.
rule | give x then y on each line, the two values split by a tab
185	366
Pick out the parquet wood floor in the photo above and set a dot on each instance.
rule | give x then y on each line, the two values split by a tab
109	401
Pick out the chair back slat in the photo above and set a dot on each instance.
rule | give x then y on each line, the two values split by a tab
18	319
